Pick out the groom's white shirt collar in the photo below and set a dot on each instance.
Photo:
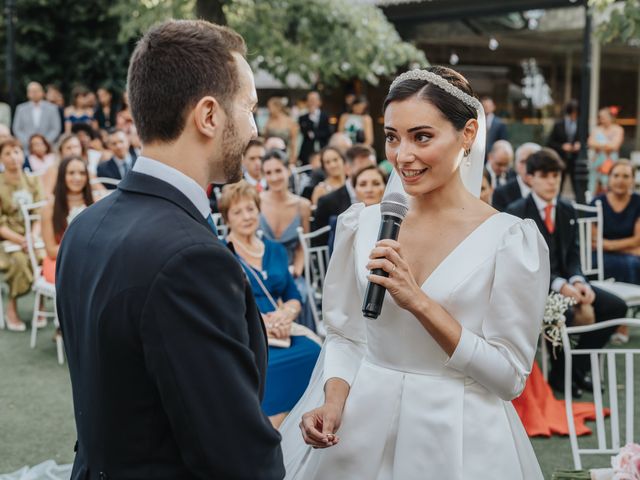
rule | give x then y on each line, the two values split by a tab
187	185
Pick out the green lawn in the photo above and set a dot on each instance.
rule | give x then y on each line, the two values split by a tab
36	414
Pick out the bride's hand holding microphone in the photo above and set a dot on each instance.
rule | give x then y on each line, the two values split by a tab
400	283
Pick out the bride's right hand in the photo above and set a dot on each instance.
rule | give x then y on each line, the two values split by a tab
320	425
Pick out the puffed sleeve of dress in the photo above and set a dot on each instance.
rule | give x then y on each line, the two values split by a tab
342	303
501	358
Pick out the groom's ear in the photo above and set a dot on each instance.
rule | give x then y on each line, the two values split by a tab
208	116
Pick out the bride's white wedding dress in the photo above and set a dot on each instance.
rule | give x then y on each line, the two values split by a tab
413	413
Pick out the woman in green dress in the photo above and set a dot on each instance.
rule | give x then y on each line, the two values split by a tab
15	189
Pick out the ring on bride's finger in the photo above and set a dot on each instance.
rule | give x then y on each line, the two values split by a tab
392	270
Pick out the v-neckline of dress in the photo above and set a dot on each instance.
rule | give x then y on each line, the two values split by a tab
447	258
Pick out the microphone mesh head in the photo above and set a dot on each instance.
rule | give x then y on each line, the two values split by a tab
394	203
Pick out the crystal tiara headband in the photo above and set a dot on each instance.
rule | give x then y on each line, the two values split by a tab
437	80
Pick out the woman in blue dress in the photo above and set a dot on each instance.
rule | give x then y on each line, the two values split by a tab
282	213
267	269
621	225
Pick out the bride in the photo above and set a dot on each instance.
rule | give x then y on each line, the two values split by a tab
424	391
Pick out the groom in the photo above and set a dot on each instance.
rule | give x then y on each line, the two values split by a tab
166	348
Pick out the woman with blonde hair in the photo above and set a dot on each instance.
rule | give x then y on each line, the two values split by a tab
266	267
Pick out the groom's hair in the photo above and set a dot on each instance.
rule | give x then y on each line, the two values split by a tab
544	160
173	66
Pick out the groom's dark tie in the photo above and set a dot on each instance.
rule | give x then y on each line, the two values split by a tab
212	225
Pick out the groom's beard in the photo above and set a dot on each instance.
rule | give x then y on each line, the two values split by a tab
232	152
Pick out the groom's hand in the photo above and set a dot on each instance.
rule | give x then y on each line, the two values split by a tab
320	425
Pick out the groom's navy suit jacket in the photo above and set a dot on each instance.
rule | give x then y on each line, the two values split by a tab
166	348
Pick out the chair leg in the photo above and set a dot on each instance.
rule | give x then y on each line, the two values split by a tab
2	324
34	320
544	357
60	349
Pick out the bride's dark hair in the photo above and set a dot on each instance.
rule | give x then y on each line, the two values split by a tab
454	109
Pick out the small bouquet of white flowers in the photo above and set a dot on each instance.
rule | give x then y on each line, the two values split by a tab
554	317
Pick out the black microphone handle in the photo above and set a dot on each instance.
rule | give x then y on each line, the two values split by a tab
374	296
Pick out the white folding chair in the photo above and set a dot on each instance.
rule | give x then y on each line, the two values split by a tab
590	219
101	193
297	172
105	181
316	260
2	322
222	228
40	286
597	375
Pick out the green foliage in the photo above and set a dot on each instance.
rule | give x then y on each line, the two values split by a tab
67	43
622	20
321	40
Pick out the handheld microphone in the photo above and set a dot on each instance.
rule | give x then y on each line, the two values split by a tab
393	208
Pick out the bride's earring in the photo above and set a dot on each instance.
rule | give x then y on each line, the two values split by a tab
467	152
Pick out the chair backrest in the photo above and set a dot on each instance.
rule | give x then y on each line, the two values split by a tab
297	172
31	214
590	220
222	227
104	181
627	356
316	260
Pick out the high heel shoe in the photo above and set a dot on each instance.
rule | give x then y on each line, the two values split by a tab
16	327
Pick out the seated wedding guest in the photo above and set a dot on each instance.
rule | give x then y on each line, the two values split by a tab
16	189
252	164
369	183
80	110
517	187
341	141
486	190
275	143
266	266
282	213
621	231
124	120
556	220
334	167
621	225
40	155
334	203
122	160
106	110
71	195
499	160
68	146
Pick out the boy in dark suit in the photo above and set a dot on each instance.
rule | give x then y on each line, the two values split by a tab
557	222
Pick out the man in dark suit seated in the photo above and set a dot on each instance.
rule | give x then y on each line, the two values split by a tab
314	127
517	187
167	351
557	222
499	163
333	204
121	162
